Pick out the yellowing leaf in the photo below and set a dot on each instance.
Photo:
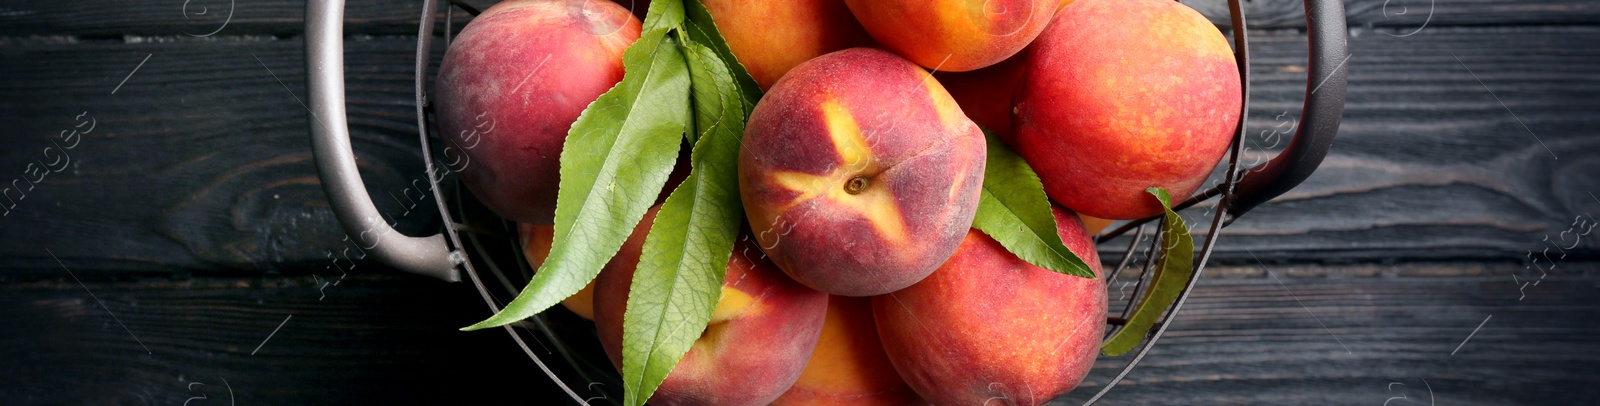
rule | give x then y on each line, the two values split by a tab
1175	266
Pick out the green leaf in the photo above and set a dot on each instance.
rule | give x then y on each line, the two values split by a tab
613	165
1176	265
1014	210
679	279
704	31
663	15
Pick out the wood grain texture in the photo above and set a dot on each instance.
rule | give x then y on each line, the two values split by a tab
194	18
1320	336
200	161
109	18
1244	338
1404	16
192	212
222	341
1455	143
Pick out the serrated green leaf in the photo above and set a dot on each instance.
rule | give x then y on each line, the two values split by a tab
613	165
679	278
704	31
663	15
1175	267
1014	210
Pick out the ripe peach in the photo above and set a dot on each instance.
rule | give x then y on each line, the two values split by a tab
849	367
769	37
988	326
510	87
954	35
1124	95
1094	225
763	329
859	174
986	95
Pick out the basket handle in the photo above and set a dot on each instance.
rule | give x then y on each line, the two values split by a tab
1326	76
330	145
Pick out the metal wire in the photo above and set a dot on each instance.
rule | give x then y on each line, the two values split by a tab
1242	55
454	228
1127	254
424	43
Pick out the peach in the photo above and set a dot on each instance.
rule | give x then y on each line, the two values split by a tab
510	86
988	326
1094	225
763	329
859	174
1124	95
986	94
849	367
954	35
769	37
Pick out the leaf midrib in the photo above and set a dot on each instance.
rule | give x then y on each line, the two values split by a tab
693	216
649	74
1036	234
610	164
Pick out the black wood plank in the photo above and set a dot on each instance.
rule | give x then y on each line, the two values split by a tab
1299	335
200	161
201	158
1317	335
289	341
109	18
1401	17
201	18
1455	143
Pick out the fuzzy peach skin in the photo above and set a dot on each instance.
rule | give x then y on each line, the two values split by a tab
510	87
1122	95
849	367
954	35
986	95
990	327
761	333
769	37
859	174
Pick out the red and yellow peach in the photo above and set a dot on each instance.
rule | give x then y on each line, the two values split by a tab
510	87
849	367
859	174
1123	95
769	37
988	326
954	35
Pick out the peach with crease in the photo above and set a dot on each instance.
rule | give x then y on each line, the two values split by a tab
859	173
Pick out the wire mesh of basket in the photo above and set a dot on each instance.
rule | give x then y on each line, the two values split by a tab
474	242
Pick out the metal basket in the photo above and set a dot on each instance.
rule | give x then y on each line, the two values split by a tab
485	247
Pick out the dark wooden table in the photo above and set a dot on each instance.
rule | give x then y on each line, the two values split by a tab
177	250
